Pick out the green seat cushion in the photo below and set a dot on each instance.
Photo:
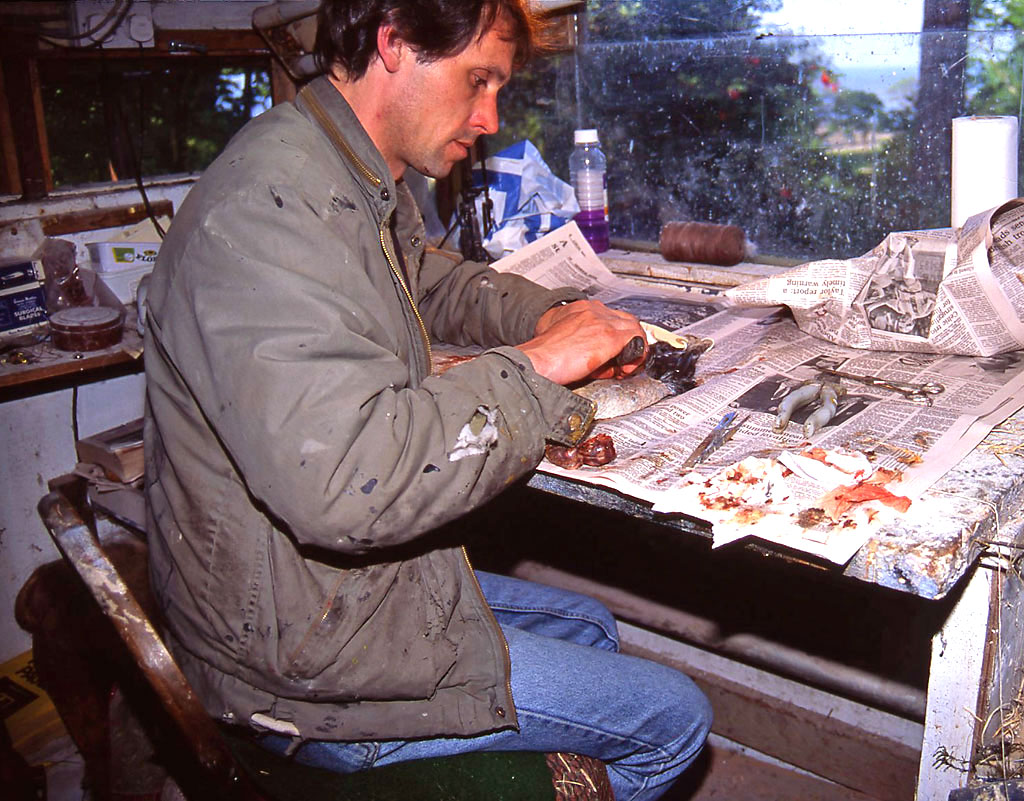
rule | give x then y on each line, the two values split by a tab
480	776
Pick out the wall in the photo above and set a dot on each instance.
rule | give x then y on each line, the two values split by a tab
36	432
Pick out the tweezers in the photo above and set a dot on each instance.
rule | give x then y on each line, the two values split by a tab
920	393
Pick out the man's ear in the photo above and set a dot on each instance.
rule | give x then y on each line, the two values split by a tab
391	47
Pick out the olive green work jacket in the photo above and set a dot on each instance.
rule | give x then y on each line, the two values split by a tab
300	453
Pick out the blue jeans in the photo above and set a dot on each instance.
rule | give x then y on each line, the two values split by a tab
573	692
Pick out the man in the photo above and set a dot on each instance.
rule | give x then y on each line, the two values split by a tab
300	454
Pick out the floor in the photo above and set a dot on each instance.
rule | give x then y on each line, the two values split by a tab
729	773
725	773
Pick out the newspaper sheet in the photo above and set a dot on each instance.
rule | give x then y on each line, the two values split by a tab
564	257
824	494
957	291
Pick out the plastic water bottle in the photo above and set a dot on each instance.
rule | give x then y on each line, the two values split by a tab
587	176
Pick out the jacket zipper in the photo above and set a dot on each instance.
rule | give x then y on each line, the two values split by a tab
412	303
335	135
339	142
494	621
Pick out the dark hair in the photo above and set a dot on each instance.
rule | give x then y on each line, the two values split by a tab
347	29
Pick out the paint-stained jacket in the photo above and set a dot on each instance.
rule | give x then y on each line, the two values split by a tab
299	453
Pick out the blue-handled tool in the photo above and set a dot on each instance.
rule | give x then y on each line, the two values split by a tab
719	435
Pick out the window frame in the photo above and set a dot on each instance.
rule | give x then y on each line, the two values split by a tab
25	171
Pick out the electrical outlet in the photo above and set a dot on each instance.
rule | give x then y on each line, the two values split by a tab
100	20
140	29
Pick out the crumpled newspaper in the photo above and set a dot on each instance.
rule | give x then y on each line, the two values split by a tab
757	497
951	291
528	198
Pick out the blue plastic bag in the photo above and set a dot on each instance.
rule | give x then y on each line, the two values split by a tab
528	199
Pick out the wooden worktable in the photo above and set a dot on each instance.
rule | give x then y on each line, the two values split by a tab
957	547
33	368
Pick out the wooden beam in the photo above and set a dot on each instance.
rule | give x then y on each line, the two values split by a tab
880	766
282	87
10	175
25	102
560	33
211	42
174	43
955	688
998	728
94	219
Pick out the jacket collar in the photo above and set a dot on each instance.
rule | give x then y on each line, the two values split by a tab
327	107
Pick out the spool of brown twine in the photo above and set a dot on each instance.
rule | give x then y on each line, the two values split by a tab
707	243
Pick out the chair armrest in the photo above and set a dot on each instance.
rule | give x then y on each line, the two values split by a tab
74	537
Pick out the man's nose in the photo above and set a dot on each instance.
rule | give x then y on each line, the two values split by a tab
485	114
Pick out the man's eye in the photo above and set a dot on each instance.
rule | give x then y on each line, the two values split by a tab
478	81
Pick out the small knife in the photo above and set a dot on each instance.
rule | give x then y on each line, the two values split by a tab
719	435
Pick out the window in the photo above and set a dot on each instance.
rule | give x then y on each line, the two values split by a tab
77	110
107	119
817	143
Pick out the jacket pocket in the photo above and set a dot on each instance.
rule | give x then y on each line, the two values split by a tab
379	633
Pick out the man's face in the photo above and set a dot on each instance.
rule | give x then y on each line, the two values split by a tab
446	104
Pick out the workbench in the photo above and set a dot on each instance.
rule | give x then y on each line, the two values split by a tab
950	563
958	552
32	369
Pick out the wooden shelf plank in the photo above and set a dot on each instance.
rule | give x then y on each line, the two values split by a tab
46	362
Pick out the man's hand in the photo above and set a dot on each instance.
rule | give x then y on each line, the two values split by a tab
580	340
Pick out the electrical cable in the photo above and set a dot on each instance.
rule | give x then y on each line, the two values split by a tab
116	14
487	207
466	214
137	161
449	232
135	155
74	413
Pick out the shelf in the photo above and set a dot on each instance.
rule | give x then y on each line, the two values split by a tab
46	363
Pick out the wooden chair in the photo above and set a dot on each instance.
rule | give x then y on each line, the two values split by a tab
205	759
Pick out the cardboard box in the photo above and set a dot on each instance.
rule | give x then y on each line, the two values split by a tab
118	450
25	708
20	273
112	257
22	299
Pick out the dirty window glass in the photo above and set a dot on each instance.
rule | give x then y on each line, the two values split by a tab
107	119
816	142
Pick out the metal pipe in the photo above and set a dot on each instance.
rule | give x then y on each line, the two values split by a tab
851	682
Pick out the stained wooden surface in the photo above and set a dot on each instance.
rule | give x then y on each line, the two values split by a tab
73	222
46	362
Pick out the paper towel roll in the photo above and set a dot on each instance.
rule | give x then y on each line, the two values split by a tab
984	170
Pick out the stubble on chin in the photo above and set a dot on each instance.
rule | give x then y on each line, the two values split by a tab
439	169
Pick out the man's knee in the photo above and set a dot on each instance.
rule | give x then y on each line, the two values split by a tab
695	719
682	713
600	616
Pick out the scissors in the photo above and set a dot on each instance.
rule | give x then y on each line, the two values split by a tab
719	435
919	393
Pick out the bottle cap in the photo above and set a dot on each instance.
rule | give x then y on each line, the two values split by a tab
585	136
